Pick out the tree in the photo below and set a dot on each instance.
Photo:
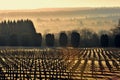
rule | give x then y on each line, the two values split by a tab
75	39
19	33
24	41
116	30
63	39
117	40
38	40
13	40
104	40
88	38
50	40
115	35
2	41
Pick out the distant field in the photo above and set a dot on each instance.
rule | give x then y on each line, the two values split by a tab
56	20
59	63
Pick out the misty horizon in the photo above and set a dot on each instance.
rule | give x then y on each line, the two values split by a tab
66	19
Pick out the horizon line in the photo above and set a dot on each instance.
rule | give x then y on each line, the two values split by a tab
59	8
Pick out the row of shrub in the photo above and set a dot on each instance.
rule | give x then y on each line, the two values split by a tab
75	40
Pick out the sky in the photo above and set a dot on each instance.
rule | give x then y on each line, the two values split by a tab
36	4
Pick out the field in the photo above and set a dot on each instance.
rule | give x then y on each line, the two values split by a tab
59	63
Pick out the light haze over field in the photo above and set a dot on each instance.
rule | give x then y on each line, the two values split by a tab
63	15
35	4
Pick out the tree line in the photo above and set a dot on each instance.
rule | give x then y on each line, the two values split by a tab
22	33
75	40
85	38
19	33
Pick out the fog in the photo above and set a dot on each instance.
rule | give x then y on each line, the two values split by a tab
57	20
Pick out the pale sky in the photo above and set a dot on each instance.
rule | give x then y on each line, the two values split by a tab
35	4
